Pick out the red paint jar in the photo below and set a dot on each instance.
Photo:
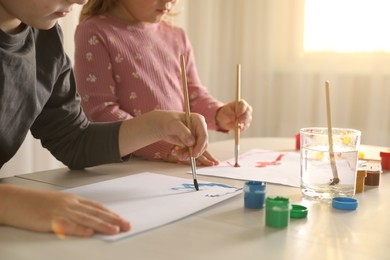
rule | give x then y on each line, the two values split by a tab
385	160
298	141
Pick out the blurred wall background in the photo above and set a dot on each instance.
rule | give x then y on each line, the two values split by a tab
281	78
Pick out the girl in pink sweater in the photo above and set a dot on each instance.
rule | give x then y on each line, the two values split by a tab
127	63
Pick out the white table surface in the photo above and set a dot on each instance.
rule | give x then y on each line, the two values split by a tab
224	231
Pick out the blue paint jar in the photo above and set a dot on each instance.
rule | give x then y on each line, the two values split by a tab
254	194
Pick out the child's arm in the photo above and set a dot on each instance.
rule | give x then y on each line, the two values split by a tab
58	212
68	214
219	116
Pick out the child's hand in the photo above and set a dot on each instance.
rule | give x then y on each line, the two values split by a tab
226	116
205	159
169	126
176	132
58	212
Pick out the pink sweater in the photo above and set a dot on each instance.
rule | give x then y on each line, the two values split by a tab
124	70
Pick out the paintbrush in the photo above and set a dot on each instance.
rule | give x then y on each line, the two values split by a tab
336	179
188	119
237	124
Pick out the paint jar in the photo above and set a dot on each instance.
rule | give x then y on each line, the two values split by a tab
298	141
373	174
254	194
277	212
385	160
360	179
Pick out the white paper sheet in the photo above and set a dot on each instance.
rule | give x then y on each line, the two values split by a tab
260	165
150	200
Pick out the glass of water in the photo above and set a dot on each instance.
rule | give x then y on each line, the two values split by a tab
317	175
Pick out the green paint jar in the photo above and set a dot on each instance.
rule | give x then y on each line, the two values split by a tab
277	212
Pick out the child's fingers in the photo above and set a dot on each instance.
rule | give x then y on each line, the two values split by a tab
206	159
63	227
199	131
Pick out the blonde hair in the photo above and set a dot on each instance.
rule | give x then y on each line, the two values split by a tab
96	7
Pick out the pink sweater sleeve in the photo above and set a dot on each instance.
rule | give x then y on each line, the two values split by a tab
200	99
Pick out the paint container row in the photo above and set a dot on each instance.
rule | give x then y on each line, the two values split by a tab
279	210
384	155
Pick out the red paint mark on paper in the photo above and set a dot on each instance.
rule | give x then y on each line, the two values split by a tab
234	165
265	164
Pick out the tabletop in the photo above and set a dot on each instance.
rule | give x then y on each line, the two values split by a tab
224	231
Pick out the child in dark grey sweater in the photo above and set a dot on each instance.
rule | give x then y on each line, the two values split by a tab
38	94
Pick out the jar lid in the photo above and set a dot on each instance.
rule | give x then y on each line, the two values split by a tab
256	183
384	154
372	167
255	186
344	203
298	211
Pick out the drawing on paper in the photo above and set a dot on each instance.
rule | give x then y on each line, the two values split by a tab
219	190
250	160
260	165
270	163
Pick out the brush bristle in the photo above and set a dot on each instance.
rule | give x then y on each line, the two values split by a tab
196	184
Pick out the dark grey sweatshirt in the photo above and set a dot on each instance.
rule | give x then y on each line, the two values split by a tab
38	93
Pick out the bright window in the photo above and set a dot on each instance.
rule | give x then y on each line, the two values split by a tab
347	26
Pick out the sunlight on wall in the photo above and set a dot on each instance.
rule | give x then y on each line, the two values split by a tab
347	26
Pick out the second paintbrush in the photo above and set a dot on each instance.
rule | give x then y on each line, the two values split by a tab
188	119
237	124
